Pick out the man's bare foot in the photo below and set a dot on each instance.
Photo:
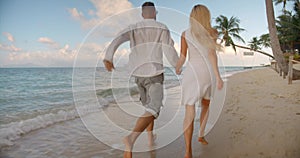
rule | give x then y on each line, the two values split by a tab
128	147
151	139
202	141
188	155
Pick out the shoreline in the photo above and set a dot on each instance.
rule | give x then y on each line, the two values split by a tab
259	119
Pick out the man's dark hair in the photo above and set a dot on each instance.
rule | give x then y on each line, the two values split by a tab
147	4
148	8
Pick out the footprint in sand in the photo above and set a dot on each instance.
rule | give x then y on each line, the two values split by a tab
237	133
275	96
261	153
228	110
271	114
268	107
243	118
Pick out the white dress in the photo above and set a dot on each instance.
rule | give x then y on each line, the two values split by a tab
197	80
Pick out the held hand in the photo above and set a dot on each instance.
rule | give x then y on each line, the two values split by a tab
108	65
220	83
178	71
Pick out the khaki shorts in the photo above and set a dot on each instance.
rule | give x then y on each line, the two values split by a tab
151	93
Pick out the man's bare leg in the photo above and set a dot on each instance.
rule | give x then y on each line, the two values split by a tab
203	120
141	124
151	136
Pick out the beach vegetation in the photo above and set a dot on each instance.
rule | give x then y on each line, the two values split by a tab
295	56
287	22
229	29
283	36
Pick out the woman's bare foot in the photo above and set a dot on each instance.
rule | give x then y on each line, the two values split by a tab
202	141
128	147
188	155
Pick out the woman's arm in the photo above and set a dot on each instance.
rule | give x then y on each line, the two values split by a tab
183	52
212	57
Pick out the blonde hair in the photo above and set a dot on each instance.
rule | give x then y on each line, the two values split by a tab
201	28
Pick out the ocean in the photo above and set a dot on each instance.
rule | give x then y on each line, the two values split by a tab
37	99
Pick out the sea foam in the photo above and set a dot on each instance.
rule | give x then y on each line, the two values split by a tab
15	130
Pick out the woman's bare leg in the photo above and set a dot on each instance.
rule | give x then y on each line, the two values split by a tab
188	127
203	120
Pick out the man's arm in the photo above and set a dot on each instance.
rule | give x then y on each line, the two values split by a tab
168	48
111	49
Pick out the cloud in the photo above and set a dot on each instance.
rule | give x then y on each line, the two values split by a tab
9	48
87	54
42	58
48	41
65	49
76	14
92	54
104	9
9	36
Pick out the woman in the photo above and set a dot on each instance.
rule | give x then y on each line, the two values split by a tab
200	41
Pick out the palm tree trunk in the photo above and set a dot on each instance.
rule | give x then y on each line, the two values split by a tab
275	45
259	51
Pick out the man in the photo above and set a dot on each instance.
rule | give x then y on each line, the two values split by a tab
148	40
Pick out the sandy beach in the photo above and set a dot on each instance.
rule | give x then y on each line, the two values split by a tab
260	119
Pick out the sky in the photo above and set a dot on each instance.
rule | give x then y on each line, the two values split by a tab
58	33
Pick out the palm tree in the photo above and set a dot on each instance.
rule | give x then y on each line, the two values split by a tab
285	1
265	40
281	1
255	44
275	45
297	14
286	30
296	20
228	29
